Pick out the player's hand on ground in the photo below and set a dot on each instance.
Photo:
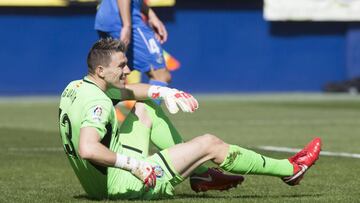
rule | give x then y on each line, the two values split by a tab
174	99
145	172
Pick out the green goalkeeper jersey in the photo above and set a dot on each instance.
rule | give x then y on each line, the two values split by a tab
83	104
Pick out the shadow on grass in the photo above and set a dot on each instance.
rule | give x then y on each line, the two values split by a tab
84	197
207	196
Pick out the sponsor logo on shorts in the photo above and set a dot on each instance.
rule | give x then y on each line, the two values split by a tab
159	172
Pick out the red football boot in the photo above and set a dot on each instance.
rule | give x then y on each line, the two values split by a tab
214	179
303	160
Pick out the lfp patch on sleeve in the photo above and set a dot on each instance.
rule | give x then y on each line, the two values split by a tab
97	112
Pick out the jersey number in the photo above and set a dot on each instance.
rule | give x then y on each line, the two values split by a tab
69	147
153	46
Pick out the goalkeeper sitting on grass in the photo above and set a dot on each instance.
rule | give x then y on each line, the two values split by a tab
113	162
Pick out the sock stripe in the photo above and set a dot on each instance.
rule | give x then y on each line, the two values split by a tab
166	164
264	161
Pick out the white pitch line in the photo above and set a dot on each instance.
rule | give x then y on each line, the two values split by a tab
323	153
266	148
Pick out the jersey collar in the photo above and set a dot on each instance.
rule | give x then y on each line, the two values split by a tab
87	80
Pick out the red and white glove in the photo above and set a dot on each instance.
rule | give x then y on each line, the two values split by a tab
140	169
174	99
146	173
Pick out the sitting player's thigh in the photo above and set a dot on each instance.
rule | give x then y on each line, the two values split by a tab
124	185
147	50
134	135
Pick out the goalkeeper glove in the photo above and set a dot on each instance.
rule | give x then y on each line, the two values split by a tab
140	169
174	99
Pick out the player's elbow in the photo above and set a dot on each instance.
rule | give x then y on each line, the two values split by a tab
86	152
88	143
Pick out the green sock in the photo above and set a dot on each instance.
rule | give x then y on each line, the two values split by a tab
163	133
243	161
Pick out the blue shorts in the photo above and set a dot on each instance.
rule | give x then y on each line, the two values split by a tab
144	52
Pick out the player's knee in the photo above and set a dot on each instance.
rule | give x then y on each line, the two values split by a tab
168	77
212	139
160	75
140	111
216	148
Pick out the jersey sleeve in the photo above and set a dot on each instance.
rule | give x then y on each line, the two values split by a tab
97	114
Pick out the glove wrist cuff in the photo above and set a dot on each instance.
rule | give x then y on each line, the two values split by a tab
126	162
154	92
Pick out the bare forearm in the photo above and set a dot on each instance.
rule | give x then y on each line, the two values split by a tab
103	155
92	150
137	91
124	8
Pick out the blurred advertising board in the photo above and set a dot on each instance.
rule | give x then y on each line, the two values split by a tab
312	10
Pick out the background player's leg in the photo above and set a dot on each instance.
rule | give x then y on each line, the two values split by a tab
149	58
160	76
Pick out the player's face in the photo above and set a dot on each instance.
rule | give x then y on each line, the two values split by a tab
115	74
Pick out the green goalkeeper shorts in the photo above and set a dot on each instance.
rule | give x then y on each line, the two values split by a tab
123	185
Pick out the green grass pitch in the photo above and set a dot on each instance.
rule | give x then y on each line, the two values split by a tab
33	168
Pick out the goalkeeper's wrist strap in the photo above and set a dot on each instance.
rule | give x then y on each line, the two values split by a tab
126	162
154	92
